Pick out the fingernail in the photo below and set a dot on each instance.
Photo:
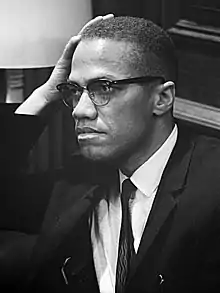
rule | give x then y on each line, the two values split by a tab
108	16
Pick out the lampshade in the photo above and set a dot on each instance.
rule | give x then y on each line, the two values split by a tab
33	33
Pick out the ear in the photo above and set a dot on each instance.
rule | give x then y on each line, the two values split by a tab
164	98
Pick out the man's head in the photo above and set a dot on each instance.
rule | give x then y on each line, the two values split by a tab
152	51
135	118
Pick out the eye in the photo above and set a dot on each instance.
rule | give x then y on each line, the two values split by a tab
101	87
74	89
67	88
71	93
106	86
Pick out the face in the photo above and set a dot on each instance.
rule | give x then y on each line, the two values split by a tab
123	127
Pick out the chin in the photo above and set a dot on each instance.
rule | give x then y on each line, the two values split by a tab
95	154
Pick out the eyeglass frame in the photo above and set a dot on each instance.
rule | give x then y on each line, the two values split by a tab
140	79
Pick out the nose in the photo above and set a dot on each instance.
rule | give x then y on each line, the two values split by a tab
85	108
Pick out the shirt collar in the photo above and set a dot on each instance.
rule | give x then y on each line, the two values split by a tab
147	177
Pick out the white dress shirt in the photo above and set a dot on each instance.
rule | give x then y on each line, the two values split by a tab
108	215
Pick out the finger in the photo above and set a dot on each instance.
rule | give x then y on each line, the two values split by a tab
96	19
107	16
70	48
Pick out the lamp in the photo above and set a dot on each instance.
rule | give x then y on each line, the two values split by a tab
33	33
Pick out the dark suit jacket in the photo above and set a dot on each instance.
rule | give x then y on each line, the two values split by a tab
180	247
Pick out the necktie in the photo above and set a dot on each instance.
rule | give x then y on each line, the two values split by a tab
126	246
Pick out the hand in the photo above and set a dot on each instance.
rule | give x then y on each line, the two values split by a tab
47	93
63	66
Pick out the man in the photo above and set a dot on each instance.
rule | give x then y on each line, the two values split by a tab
121	91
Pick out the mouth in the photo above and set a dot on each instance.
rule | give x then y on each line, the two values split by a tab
86	130
89	134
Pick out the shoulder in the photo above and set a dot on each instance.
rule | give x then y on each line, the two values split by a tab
204	168
207	149
201	154
204	144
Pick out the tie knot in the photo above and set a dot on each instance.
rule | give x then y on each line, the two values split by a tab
127	189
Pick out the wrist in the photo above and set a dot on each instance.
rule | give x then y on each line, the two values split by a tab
36	103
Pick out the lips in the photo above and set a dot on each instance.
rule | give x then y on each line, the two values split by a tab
86	130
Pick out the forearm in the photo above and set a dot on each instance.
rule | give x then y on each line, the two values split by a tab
33	105
19	135
38	104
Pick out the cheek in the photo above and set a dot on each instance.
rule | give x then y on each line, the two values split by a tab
126	128
130	119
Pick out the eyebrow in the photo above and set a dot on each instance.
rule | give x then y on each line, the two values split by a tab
93	79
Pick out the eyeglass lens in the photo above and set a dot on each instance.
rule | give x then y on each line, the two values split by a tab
99	92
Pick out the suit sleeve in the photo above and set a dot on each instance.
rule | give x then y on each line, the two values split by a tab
19	133
23	196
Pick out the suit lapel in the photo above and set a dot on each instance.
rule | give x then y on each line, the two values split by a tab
171	186
78	268
68	207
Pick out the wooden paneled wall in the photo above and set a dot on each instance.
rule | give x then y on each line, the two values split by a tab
198	48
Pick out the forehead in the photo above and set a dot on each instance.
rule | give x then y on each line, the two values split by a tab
101	58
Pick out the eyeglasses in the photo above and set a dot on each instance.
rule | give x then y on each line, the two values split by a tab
100	91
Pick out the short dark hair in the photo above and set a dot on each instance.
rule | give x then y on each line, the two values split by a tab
153	52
